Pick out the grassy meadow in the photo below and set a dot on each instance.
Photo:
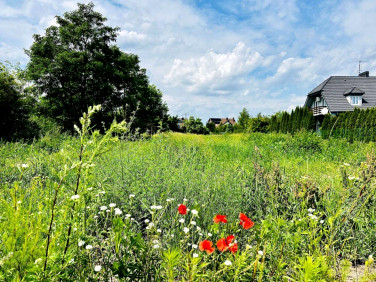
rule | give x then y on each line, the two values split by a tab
96	207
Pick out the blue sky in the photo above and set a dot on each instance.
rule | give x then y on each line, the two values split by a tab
212	58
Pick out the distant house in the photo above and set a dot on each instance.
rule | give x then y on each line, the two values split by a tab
339	94
222	121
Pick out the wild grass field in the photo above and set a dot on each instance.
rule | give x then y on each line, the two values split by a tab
181	207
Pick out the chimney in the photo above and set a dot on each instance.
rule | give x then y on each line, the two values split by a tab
364	74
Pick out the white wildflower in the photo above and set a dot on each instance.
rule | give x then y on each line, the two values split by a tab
38	260
19	202
95	216
172	235
351	177
321	221
107	210
75	229
103	208
198	228
71	261
194	246
146	220
127	215
81	243
102	192
184	200
181	220
194	212
158	207
90	188
24	165
346	164
168	200
156	246
153	207
260	253
310	210
97	268
118	211
200	234
209	234
151	224
112	205
159	230
227	262
193	222
132	195
186	229
88	247
75	197
195	255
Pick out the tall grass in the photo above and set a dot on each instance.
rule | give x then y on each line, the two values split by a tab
94	207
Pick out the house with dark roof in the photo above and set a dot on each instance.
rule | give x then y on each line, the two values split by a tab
339	94
222	121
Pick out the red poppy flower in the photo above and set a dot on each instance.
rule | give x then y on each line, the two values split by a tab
207	246
182	209
220	218
224	243
234	248
245	221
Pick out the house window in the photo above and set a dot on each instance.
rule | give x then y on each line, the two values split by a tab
354	100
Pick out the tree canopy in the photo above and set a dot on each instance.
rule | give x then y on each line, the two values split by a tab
75	65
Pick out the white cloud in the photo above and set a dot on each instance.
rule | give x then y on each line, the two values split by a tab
130	37
293	70
213	70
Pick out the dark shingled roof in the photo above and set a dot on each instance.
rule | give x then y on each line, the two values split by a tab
334	88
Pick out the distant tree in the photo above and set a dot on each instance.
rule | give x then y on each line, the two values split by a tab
194	125
15	106
76	65
172	123
210	126
259	123
243	119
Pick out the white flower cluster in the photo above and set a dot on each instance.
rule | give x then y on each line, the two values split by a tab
156	207
119	212
75	197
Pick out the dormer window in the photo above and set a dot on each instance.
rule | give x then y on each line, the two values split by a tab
354	96
354	100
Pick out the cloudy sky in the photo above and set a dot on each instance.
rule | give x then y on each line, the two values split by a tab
213	58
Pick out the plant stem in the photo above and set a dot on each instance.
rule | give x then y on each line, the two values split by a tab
51	222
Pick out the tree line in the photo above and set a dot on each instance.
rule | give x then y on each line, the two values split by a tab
284	122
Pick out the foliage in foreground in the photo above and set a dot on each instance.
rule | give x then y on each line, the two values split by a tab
146	210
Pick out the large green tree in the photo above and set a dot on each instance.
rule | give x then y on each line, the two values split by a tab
76	65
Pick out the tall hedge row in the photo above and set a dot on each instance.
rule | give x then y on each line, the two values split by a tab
300	118
357	125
